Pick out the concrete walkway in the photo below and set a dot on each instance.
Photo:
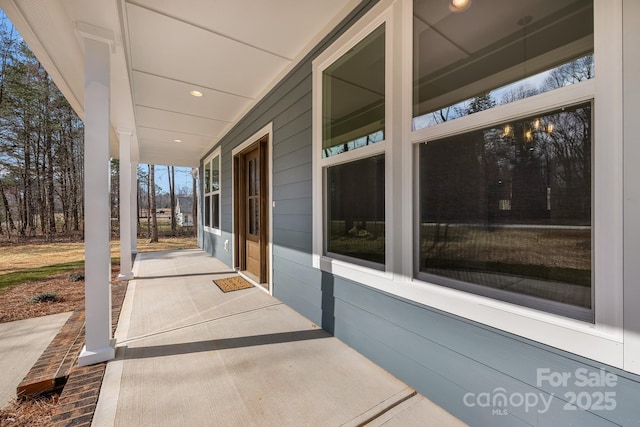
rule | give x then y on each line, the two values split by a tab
21	344
189	354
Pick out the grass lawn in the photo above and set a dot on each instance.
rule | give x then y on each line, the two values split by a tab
22	263
14	278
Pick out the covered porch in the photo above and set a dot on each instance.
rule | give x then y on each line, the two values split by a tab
188	353
158	83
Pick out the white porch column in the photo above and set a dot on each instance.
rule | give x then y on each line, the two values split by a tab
124	137
134	207
98	344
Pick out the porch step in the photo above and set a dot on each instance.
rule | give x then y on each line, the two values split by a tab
52	369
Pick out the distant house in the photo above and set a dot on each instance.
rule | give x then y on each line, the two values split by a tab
184	211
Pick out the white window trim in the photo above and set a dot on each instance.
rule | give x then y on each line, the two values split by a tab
211	193
603	340
382	14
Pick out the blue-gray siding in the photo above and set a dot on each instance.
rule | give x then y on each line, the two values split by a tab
444	357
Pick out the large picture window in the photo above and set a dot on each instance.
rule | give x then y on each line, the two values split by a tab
212	193
505	204
508	208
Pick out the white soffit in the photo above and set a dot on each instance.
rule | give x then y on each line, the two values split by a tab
170	48
230	51
233	51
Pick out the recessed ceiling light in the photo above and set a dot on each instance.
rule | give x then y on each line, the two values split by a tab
196	93
459	5
177	140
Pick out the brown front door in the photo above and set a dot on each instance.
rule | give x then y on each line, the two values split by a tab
251	211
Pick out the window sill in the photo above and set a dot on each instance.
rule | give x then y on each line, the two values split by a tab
583	338
212	230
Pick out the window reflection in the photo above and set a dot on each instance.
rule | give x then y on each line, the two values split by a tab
207	211
509	207
215	205
207	177
215	176
212	192
356	210
521	49
354	97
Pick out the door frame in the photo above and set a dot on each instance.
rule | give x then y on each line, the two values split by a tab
265	132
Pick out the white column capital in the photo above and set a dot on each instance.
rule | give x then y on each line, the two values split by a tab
93	32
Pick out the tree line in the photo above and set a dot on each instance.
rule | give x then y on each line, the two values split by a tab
42	154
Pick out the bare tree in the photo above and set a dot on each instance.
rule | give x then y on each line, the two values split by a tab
41	145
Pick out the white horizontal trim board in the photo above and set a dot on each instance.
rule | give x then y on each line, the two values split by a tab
603	340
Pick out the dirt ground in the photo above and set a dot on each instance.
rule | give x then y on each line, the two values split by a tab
21	302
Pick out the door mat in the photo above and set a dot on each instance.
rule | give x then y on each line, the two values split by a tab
234	283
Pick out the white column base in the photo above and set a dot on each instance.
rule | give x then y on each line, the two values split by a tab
87	358
127	276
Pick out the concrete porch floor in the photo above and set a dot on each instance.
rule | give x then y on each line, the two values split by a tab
189	354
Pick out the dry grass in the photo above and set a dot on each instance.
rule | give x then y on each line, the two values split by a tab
20	256
29	412
16	257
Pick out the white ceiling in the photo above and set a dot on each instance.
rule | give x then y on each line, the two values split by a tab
233	51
